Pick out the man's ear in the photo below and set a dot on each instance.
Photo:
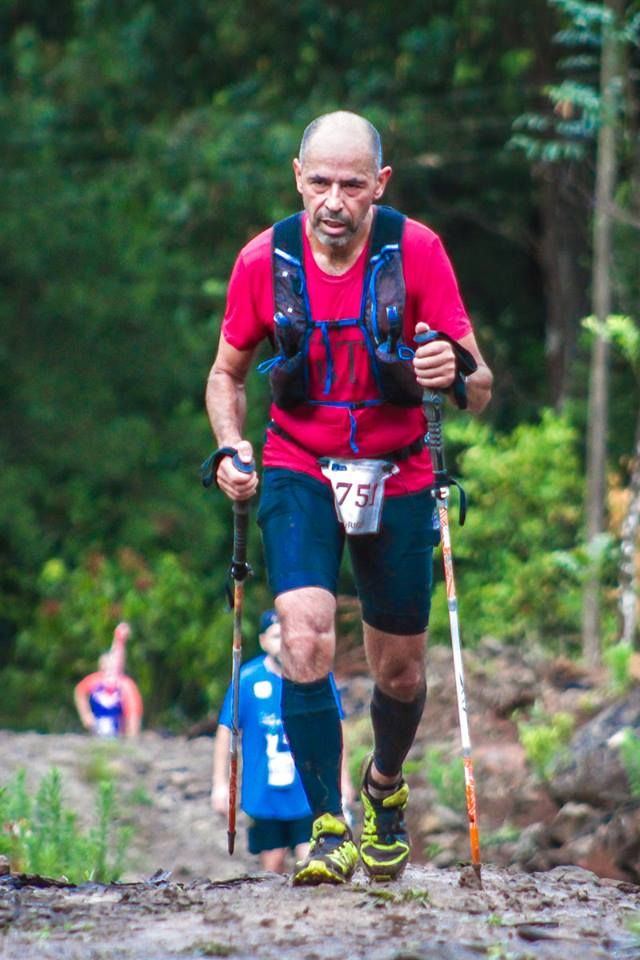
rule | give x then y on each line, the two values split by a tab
381	182
297	172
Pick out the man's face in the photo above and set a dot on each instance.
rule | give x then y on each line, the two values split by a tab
338	184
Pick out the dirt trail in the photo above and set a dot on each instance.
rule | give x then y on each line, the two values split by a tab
200	902
565	914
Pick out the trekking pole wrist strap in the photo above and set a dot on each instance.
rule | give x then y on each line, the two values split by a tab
209	469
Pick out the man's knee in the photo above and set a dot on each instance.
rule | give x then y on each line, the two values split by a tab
404	686
307	619
397	663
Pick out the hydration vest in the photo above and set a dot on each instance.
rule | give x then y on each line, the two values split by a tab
380	320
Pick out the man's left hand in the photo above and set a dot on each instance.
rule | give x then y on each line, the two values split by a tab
434	363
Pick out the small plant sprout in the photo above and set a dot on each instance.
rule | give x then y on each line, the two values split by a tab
545	741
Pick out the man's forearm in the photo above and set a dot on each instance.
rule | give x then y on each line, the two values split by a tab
479	388
226	402
480	382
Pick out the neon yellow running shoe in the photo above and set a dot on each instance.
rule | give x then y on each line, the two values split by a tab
384	844
332	857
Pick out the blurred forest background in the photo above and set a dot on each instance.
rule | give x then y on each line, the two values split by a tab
143	142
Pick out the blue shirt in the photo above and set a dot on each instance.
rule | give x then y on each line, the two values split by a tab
271	786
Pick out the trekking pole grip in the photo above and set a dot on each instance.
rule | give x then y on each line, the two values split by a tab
432	404
239	565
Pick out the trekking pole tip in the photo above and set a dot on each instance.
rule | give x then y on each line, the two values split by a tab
470	877
231	841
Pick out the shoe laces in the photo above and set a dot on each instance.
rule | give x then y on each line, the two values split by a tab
328	833
385	822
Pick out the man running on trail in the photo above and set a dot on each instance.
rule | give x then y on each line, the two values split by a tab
341	290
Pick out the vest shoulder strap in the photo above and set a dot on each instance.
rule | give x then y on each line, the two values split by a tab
388	227
287	236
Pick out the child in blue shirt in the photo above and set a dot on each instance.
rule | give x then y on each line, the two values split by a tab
272	795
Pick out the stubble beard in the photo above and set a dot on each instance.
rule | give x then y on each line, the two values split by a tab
329	239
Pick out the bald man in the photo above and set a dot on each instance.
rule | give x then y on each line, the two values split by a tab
341	290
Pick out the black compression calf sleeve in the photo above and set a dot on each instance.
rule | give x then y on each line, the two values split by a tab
394	728
312	724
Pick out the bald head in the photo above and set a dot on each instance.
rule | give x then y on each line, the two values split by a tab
341	129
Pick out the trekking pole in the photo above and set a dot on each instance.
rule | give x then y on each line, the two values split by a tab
432	405
240	569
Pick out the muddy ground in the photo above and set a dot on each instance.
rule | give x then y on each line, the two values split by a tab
427	915
182	896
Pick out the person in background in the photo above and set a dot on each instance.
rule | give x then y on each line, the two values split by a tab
109	702
362	308
271	794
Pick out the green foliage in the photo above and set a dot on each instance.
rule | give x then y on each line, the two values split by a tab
630	755
410	895
431	850
620	330
211	948
633	925
415	895
100	763
139	797
179	653
41	836
506	833
446	776
545	741
567	132
518	565
618	660
500	951
143	144
585	16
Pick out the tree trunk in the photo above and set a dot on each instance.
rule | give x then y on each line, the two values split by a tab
628	572
628	539
563	246
599	375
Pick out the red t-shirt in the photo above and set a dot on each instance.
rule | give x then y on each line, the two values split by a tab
432	296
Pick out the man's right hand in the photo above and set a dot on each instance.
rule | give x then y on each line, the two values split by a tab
237	484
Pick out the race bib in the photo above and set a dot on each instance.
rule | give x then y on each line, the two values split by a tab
358	491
